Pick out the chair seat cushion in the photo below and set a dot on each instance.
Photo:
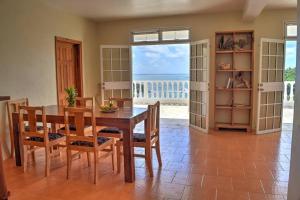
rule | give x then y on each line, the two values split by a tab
38	128
101	140
139	137
52	136
110	130
71	127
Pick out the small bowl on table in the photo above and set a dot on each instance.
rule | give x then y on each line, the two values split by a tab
108	108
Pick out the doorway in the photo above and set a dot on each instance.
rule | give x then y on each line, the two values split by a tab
160	72
68	57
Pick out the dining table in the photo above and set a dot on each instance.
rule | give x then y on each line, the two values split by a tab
124	118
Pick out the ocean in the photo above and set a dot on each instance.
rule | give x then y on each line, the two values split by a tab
142	77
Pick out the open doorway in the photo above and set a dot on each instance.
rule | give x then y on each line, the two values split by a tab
289	76
161	73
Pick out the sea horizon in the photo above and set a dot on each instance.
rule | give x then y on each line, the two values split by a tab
142	77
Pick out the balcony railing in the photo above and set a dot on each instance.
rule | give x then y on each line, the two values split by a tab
166	91
177	92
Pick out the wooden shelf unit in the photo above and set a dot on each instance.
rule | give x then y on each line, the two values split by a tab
233	105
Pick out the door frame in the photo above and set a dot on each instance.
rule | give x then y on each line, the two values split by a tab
119	84
201	85
78	69
278	86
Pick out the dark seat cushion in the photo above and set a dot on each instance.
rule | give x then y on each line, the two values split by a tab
72	127
52	136
139	137
110	130
101	140
38	128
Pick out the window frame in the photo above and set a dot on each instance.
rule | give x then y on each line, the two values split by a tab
160	40
286	37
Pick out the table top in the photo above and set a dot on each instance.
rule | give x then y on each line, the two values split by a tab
121	113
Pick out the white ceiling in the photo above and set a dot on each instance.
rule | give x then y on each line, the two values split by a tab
119	9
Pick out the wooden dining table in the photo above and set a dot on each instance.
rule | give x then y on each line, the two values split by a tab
124	119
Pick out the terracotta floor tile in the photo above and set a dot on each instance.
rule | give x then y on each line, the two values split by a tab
196	166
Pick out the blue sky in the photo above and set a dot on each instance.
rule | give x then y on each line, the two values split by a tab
174	58
290	54
161	59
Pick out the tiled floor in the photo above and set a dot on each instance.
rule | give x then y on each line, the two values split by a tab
196	166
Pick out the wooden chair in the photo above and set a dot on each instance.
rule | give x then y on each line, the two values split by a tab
79	141
114	132
147	140
87	102
35	139
13	106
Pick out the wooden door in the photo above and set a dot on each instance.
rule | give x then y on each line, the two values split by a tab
271	86
115	72
68	67
199	85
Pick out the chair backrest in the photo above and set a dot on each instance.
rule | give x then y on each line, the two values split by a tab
13	106
32	121
122	102
152	126
85	101
77	116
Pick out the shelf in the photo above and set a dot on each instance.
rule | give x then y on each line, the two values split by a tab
234	70
233	126
236	107
234	89
233	51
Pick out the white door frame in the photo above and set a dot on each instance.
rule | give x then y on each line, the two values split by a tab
114	84
268	86
202	86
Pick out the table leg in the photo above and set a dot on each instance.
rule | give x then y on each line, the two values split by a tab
3	187
128	151
17	141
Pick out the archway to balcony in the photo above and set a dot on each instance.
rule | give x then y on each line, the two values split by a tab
161	73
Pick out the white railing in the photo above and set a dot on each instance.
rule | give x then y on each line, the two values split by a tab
166	91
288	97
177	92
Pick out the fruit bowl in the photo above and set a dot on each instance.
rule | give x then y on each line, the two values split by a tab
108	108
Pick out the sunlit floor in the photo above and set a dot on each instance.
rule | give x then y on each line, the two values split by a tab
220	165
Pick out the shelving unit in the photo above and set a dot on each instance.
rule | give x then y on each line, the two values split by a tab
233	83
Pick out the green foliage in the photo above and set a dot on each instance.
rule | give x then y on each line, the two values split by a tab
72	94
290	74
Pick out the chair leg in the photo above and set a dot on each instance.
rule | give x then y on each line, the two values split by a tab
157	148
25	157
95	166
148	152
69	163
113	156
88	158
32	154
12	146
48	160
118	147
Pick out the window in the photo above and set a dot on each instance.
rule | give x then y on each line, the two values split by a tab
291	30
161	35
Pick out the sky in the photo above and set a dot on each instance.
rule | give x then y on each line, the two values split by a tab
174	58
161	59
290	54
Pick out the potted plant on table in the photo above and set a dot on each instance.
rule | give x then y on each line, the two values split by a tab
72	94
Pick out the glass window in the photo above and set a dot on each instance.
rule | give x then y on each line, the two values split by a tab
291	30
176	35
148	37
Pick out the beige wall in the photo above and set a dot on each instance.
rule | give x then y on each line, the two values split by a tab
27	54
268	24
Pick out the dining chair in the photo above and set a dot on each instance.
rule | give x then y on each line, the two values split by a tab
87	102
32	139
79	141
114	132
147	140
13	106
